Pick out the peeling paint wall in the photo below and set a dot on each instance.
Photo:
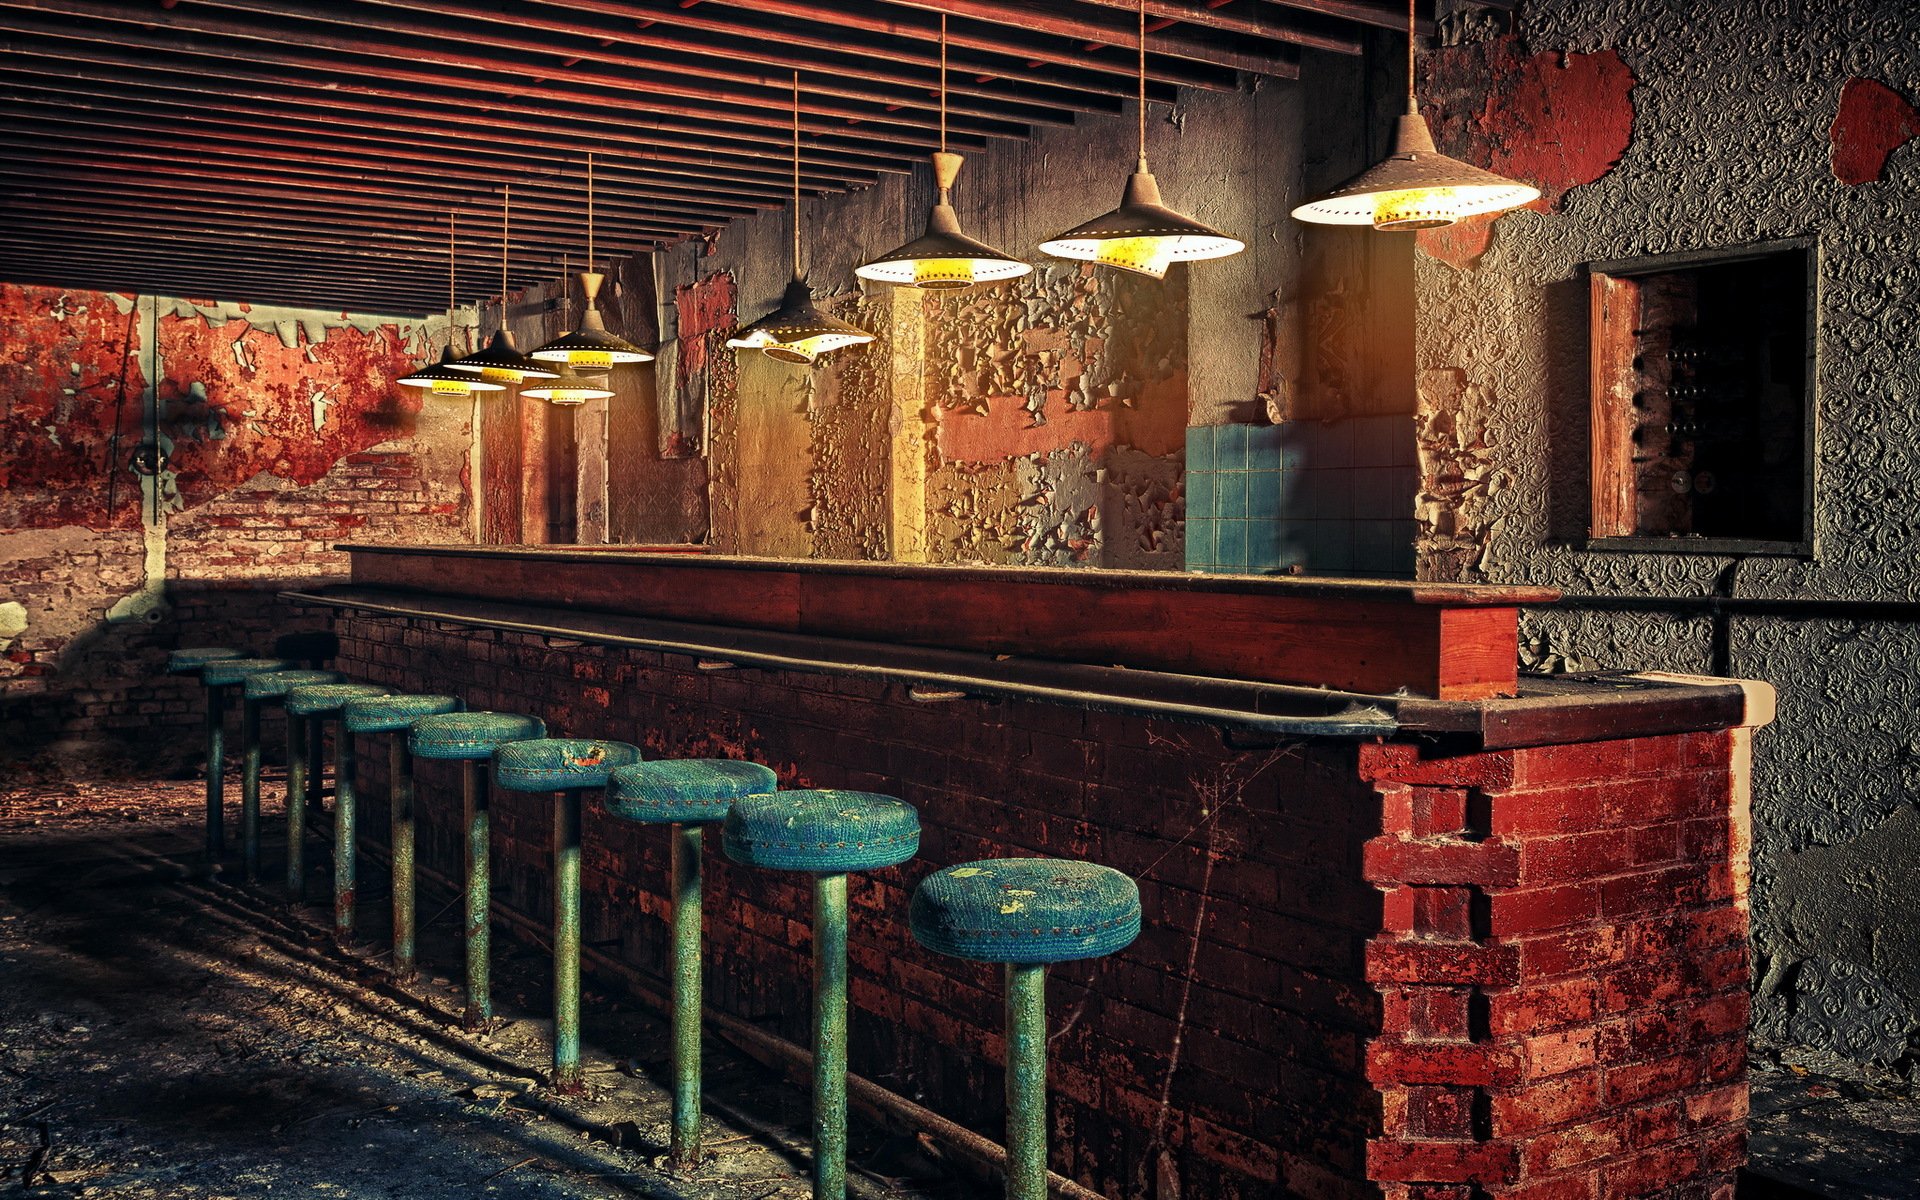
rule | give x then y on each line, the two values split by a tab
155	451
1753	125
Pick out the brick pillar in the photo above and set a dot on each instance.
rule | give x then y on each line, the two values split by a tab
1563	968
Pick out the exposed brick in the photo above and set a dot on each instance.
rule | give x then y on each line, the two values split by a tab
1465	1064
1418	960
1442	1161
1545	1105
1441	861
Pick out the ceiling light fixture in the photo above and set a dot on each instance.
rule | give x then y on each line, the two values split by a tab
441	378
943	257
797	331
500	361
1143	235
570	388
1416	187
590	350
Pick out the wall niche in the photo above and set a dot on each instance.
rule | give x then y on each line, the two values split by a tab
1702	369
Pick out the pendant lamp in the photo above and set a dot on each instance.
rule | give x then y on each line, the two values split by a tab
1143	235
500	361
441	379
591	350
797	331
569	388
1415	187
943	257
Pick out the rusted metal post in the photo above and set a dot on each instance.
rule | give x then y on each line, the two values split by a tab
216	758
1026	1082
566	942
474	795
250	786
345	823
684	1012
400	835
316	760
830	1037
297	770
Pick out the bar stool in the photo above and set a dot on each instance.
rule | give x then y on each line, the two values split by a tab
189	660
685	794
316	702
258	691
1026	913
396	715
469	738
217	676
567	767
825	833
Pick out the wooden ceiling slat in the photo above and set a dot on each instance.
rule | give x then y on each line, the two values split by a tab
1314	31
1083	24
731	170
61	271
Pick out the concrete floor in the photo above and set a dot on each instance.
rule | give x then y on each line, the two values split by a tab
163	1034
171	1036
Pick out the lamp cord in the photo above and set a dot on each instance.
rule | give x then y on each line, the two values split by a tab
506	218
589	210
796	176
1413	106
452	270
943	83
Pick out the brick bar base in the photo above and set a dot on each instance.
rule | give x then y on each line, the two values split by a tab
1363	972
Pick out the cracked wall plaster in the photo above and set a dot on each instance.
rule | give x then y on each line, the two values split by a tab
1718	157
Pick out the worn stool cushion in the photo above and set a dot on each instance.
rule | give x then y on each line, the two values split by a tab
826	831
274	685
685	789
467	735
385	714
1025	910
326	699
190	660
559	764
225	672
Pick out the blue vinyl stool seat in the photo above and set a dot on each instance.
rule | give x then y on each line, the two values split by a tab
217	674
684	794
303	774
316	703
189	660
391	715
469	738
566	767
1026	913
826	833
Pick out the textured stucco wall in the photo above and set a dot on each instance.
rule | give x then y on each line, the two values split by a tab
1730	121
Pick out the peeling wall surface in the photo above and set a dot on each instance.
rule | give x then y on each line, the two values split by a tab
155	452
1806	137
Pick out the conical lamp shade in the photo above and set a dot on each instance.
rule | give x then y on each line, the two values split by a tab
1143	235
502	363
444	379
943	257
1416	187
591	349
567	388
798	332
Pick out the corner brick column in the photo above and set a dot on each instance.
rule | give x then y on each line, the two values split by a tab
1563	968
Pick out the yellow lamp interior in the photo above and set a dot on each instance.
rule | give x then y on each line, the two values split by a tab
1417	208
1144	255
590	360
939	273
502	375
451	387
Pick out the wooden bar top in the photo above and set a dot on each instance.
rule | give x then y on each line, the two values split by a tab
1444	641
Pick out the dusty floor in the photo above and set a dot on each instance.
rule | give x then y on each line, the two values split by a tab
167	1035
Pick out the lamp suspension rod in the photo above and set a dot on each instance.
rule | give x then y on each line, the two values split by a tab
453	268
589	210
943	82
796	175
1413	106
1141	10
506	218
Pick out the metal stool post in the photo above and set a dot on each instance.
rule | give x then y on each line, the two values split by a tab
395	716
828	834
219	676
563	768
317	702
259	691
684	794
469	738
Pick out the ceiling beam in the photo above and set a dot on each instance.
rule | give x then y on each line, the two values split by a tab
1316	32
59	271
1073	22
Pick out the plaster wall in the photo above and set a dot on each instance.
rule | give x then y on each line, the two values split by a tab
1731	133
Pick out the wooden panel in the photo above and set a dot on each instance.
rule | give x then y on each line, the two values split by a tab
1612	346
1360	637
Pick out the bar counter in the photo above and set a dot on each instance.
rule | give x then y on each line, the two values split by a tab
1412	922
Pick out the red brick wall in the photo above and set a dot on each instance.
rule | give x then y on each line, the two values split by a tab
1564	969
1316	994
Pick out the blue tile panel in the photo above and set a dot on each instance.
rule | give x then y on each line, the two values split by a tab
1323	497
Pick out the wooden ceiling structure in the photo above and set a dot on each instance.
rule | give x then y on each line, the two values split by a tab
308	152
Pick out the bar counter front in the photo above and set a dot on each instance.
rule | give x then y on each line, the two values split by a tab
1412	925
